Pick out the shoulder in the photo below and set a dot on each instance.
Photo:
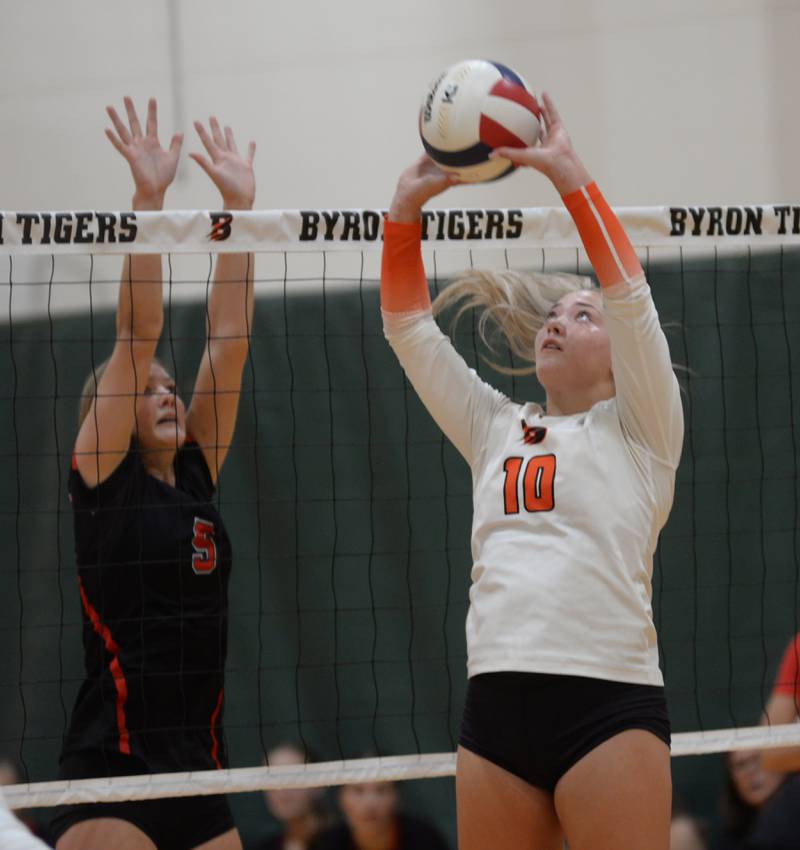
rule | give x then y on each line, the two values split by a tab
112	488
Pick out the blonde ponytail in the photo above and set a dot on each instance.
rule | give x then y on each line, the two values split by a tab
513	303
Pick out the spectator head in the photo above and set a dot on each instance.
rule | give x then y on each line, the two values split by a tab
370	809
687	833
9	771
292	804
750	781
748	786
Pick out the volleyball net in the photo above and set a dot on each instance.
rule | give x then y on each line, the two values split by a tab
350	513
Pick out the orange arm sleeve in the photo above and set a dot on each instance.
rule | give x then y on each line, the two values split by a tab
404	287
610	251
788	679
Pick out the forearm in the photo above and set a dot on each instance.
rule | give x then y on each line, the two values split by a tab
608	247
230	303
140	311
404	287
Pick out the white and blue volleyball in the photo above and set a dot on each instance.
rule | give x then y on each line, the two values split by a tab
472	108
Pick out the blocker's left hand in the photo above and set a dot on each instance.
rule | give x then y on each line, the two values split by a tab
231	173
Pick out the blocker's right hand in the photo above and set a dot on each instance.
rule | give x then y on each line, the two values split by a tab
417	185
152	167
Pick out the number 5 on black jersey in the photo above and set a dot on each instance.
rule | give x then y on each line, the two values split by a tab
538	484
204	558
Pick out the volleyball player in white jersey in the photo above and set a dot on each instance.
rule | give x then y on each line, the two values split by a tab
14	835
565	731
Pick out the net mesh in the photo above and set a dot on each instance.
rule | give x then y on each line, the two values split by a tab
350	513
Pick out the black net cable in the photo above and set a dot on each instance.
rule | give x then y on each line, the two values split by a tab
658	572
372	518
17	512
761	482
335	543
58	496
796	465
127	267
689	448
447	559
295	514
257	482
409	540
726	495
175	374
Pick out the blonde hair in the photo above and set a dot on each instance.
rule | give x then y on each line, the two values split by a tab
512	303
89	390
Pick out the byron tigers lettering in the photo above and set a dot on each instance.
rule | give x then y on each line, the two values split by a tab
437	225
77	228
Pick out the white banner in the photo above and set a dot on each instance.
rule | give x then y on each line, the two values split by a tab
209	231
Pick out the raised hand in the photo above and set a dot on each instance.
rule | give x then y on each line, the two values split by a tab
231	173
418	184
152	167
554	156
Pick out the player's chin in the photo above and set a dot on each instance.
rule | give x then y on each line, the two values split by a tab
169	435
549	367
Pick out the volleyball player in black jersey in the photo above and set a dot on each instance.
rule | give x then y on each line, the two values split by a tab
152	552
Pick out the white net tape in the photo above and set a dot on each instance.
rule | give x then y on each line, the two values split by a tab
395	768
189	231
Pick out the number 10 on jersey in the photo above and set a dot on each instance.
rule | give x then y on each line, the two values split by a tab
538	480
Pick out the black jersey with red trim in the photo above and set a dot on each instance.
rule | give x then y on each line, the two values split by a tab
153	568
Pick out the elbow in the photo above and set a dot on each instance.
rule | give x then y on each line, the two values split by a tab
230	349
142	330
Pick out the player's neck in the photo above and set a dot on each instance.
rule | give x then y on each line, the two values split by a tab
561	402
160	464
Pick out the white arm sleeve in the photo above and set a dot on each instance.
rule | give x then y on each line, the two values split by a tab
461	404
14	835
648	395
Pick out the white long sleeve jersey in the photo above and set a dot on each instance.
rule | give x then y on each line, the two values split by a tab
564	529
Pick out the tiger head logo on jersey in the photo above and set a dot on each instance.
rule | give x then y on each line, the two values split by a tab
532	434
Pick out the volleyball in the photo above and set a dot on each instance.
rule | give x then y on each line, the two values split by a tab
472	108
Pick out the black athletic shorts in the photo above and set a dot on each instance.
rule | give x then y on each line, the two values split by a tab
537	726
171	823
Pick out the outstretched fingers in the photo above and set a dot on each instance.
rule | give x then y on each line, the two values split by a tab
230	142
208	143
175	144
133	118
216	132
549	111
152	118
122	134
